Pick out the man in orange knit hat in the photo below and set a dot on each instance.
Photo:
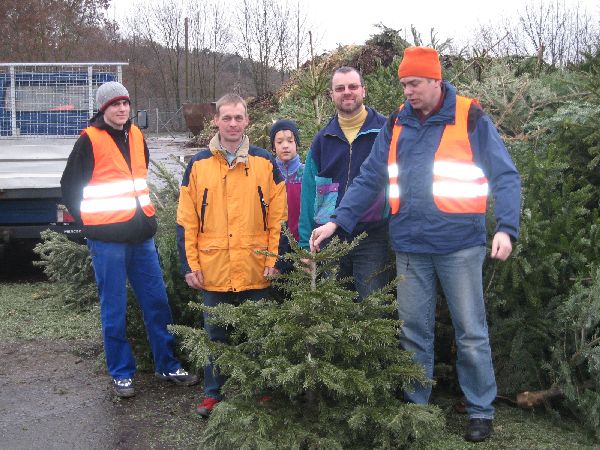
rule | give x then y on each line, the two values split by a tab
439	155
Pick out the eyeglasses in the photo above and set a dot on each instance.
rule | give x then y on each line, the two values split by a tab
341	88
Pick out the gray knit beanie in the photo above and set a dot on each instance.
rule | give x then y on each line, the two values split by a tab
109	93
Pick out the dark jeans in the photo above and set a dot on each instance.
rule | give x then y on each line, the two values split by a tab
368	263
213	380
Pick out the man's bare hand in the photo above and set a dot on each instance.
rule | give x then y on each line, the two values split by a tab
501	246
195	280
270	272
320	234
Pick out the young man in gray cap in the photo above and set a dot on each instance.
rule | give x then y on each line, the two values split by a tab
104	187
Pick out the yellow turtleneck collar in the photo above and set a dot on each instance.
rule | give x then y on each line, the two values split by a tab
351	126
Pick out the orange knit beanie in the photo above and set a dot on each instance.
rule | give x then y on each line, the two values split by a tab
420	62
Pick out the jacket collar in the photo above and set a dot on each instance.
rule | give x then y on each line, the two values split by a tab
241	154
118	135
290	167
446	115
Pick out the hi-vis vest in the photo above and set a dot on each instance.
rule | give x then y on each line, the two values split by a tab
112	194
459	185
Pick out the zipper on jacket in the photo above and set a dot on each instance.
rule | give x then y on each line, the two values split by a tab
349	168
263	207
203	209
350	159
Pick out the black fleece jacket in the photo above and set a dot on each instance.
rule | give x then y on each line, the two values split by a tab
78	173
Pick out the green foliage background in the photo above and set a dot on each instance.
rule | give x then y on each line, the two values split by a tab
549	119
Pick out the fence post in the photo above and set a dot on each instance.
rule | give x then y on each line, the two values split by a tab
13	101
90	72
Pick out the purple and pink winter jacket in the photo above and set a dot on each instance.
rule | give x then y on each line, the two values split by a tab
292	171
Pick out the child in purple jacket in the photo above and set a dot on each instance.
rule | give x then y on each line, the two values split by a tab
284	141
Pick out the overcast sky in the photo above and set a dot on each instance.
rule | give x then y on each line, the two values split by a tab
352	21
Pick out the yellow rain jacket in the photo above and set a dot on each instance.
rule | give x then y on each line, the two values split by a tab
226	213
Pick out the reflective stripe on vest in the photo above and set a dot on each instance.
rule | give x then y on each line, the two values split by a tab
394	189
459	185
110	196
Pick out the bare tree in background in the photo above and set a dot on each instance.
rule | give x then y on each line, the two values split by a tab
260	23
549	30
211	45
162	28
301	38
199	38
243	46
219	44
55	30
556	33
292	39
137	69
284	48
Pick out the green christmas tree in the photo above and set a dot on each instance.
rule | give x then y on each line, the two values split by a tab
313	370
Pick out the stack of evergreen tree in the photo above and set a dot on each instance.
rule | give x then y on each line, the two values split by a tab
313	369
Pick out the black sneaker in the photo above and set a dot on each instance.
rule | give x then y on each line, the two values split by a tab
123	387
180	376
478	430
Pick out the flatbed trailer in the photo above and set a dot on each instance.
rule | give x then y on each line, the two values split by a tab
43	109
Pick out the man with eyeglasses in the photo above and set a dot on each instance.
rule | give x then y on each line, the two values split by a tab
439	155
231	205
332	163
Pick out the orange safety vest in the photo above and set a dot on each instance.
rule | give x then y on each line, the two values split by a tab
112	194
459	185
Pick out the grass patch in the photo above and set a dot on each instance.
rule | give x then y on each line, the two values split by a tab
514	428
31	311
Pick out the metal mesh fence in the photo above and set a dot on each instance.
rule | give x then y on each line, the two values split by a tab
162	116
160	121
50	99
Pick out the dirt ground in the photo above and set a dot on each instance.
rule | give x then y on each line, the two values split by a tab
55	395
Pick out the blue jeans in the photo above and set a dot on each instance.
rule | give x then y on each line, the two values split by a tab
368	264
115	263
460	275
213	380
